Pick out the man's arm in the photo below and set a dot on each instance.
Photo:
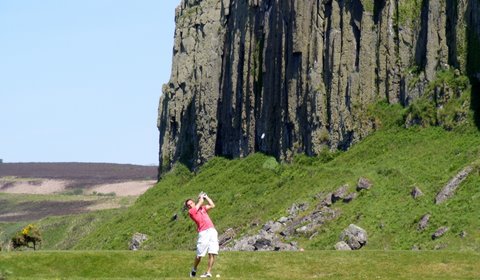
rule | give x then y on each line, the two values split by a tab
210	203
199	203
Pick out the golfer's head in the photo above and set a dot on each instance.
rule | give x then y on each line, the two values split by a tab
189	203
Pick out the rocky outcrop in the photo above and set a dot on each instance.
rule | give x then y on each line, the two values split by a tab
285	77
449	189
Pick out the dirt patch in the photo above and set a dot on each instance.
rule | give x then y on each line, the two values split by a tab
33	186
36	210
133	188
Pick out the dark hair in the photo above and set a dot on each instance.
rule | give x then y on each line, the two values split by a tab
185	203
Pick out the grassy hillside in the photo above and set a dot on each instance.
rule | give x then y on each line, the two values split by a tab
250	191
64	219
242	265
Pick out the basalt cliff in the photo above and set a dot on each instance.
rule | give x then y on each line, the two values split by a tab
298	76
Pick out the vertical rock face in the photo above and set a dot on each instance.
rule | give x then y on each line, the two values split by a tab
296	76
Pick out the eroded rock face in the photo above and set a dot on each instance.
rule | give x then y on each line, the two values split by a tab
285	77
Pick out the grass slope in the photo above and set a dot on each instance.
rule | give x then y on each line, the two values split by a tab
242	265
61	229
250	191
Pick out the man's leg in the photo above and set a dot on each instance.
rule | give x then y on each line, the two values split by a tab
196	262
211	260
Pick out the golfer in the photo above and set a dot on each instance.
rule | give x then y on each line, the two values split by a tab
207	234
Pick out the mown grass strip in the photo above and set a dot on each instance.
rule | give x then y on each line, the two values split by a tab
242	265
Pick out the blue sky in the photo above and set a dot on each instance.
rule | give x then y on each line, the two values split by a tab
80	80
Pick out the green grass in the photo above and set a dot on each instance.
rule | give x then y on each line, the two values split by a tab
242	265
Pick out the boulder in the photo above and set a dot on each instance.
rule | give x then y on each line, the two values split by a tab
137	240
327	201
439	232
226	237
416	193
342	246
273	227
364	184
297	208
350	197
423	223
355	236
449	189
340	193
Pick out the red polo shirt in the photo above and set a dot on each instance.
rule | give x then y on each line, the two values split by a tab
201	218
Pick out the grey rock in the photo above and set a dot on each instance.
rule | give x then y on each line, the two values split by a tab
283	220
449	189
439	232
302	229
342	246
226	237
354	236
327	201
263	241
416	192
363	184
136	241
340	193
272	226
423	223
297	208
463	234
350	197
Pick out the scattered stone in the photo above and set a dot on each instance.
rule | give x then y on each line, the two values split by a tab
350	197
463	234
340	193
137	240
363	184
327	201
302	229
441	231
354	236
263	241
415	248
262	244
226	237
342	246
296	208
423	222
416	192
449	189
272	226
283	220
174	217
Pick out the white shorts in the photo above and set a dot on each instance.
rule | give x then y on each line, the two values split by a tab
207	242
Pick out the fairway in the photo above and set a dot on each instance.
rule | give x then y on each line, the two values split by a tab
242	265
